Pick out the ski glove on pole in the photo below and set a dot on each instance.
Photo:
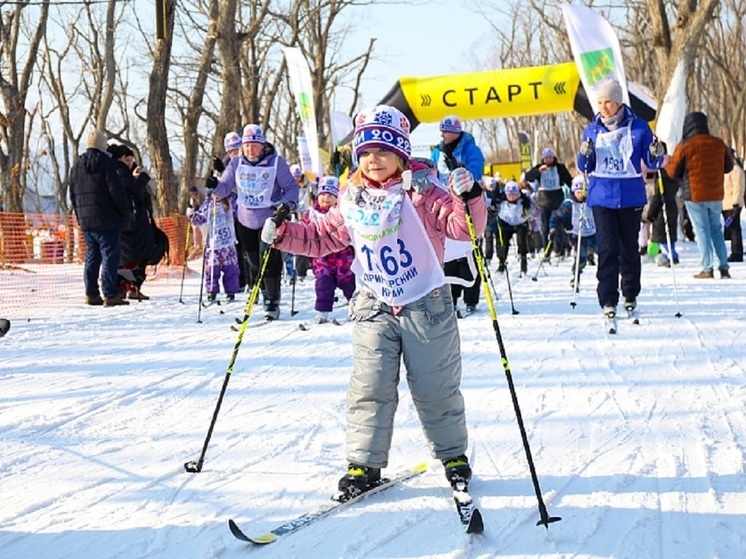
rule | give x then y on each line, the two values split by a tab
586	148
460	181
656	149
269	230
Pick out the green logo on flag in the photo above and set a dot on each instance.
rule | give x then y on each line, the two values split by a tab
598	65
305	106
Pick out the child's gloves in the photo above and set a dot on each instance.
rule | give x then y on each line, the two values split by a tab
460	181
269	231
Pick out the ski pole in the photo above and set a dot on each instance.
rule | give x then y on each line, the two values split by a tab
195	466
668	241
204	258
545	519
581	218
183	269
575	285
507	273
201	286
543	258
293	312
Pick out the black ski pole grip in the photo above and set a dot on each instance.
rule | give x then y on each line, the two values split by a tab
281	214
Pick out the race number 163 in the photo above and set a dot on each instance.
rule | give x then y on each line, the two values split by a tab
391	261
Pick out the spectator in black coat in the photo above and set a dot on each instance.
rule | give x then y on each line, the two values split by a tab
138	244
101	207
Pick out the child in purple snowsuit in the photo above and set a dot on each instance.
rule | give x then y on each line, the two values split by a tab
221	256
333	270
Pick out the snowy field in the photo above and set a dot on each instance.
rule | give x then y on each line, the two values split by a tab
638	438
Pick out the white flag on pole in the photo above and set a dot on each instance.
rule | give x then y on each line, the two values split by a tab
670	122
300	83
341	126
595	48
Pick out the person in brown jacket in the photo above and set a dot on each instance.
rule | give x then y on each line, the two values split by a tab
700	162
735	187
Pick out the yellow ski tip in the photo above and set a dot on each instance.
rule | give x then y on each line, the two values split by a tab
420	467
266	538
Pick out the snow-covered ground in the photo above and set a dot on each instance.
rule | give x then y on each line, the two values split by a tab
638	438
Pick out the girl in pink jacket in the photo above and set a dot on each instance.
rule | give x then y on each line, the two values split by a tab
397	223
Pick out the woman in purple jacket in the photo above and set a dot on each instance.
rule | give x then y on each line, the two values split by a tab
262	181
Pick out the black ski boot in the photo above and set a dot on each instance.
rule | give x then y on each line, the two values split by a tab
357	480
457	470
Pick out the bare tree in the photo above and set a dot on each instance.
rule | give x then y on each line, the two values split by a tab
316	28
15	84
158	141
723	75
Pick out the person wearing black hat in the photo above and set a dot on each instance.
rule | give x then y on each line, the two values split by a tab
138	242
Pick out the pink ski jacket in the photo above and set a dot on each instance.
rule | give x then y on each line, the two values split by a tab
441	213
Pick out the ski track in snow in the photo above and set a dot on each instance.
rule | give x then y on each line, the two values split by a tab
638	439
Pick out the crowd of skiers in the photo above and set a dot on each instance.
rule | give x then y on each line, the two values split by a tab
395	235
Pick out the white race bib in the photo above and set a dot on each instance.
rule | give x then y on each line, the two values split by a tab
614	154
224	233
394	258
255	184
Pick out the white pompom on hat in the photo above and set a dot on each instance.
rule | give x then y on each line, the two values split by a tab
253	133
610	89
451	123
329	185
97	140
232	141
382	127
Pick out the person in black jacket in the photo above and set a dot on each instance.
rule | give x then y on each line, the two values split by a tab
549	175
657	204
138	244
101	207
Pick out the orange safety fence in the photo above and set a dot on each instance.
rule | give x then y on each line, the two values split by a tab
42	257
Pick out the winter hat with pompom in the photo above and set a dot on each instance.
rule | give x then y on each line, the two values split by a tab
511	187
382	127
253	133
329	185
232	141
451	123
578	183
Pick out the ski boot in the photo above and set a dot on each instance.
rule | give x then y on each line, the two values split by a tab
356	481
458	471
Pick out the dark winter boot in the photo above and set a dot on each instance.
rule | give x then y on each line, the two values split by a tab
524	266
4	326
457	470
357	480
115	301
93	300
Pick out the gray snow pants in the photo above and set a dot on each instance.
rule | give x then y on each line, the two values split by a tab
425	334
